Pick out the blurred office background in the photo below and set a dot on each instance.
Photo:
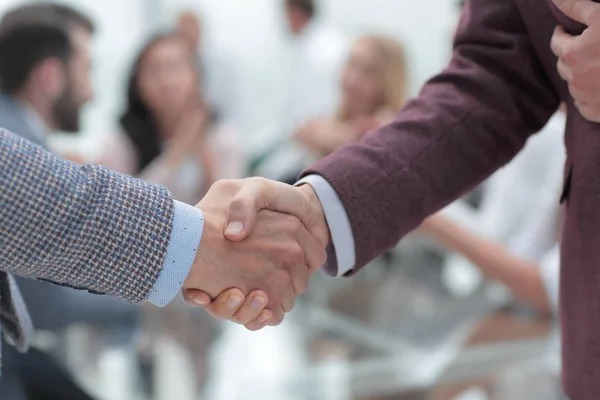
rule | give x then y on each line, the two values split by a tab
251	36
423	321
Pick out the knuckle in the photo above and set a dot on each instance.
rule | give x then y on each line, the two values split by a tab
295	255
295	225
571	55
260	185
283	280
222	184
575	82
258	181
240	203
230	186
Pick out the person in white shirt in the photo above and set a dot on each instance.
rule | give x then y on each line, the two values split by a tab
220	79
313	61
316	56
513	236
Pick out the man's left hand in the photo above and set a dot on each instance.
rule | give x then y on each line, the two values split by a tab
579	56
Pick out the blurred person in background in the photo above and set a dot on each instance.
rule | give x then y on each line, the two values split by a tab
313	59
372	89
169	134
513	236
217	73
45	65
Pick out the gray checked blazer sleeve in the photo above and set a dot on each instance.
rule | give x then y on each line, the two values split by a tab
80	226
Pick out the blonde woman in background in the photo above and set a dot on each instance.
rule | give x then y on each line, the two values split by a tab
373	89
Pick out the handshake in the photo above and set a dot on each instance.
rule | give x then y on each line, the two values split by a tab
261	242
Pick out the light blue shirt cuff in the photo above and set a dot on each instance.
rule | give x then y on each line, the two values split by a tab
188	225
339	226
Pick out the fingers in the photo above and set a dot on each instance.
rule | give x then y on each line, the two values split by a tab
251	308
578	61
584	96
288	302
588	111
277	316
561	42
290	250
263	320
196	298
584	11
226	305
564	71
257	194
250	313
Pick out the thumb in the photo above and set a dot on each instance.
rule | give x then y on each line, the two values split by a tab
257	194
583	11
243	208
196	297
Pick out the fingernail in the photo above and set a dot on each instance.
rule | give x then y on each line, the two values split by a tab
234	301
258	302
234	228
198	302
262	318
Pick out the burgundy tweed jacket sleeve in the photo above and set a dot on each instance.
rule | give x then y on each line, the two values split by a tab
467	122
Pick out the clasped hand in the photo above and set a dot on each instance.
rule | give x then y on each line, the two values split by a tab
578	58
261	242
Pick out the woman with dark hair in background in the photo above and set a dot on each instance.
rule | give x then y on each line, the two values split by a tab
168	134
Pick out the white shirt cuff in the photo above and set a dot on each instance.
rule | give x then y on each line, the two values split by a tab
339	226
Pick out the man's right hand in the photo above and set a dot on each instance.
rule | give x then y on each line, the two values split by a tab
277	256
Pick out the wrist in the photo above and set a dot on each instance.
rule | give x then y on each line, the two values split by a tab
200	275
318	223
